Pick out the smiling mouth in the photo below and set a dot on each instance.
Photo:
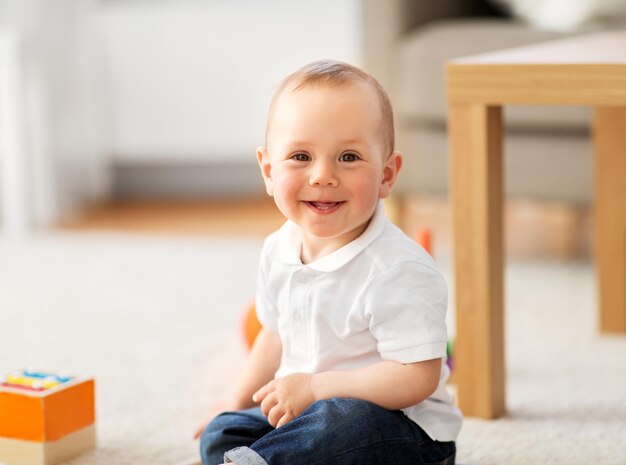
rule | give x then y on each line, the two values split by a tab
324	207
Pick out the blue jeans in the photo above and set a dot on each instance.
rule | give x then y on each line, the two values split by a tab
335	431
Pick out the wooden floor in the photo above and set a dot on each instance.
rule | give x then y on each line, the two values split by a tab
533	229
255	216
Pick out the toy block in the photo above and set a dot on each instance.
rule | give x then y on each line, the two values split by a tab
45	419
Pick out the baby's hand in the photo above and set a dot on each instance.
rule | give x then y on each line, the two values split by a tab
284	399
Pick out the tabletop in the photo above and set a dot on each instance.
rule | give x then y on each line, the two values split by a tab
580	70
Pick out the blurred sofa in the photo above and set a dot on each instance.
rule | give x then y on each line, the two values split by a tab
406	44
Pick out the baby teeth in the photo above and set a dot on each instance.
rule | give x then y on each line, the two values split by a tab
324	205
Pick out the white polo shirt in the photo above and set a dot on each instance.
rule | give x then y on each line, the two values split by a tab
377	298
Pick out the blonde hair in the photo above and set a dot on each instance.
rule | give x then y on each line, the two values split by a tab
336	73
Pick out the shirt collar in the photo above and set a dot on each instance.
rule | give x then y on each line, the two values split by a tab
290	246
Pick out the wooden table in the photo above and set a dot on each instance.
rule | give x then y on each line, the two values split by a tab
584	70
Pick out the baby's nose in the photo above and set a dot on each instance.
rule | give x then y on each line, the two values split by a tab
323	175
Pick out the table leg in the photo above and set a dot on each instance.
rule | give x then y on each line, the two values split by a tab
475	133
610	213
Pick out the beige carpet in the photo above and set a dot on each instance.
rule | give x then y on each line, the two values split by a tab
156	320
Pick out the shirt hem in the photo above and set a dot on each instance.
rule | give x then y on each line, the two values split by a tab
415	354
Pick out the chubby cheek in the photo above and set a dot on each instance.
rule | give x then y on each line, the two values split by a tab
366	189
286	191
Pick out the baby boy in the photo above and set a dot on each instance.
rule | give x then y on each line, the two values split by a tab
348	366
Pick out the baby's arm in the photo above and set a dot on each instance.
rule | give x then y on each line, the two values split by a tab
389	384
259	369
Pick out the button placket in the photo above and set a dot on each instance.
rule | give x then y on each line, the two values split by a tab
300	329
301	292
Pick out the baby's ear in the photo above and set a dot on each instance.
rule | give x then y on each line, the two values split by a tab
391	168
263	158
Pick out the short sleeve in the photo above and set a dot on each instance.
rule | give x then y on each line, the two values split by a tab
266	310
407	307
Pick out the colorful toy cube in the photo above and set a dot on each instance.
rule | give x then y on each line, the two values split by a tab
45	418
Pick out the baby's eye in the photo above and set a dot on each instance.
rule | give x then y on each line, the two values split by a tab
348	156
301	157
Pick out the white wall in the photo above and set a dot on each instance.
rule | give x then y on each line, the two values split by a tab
191	80
57	133
114	82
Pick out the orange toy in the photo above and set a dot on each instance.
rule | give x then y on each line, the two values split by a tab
251	324
45	419
424	237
